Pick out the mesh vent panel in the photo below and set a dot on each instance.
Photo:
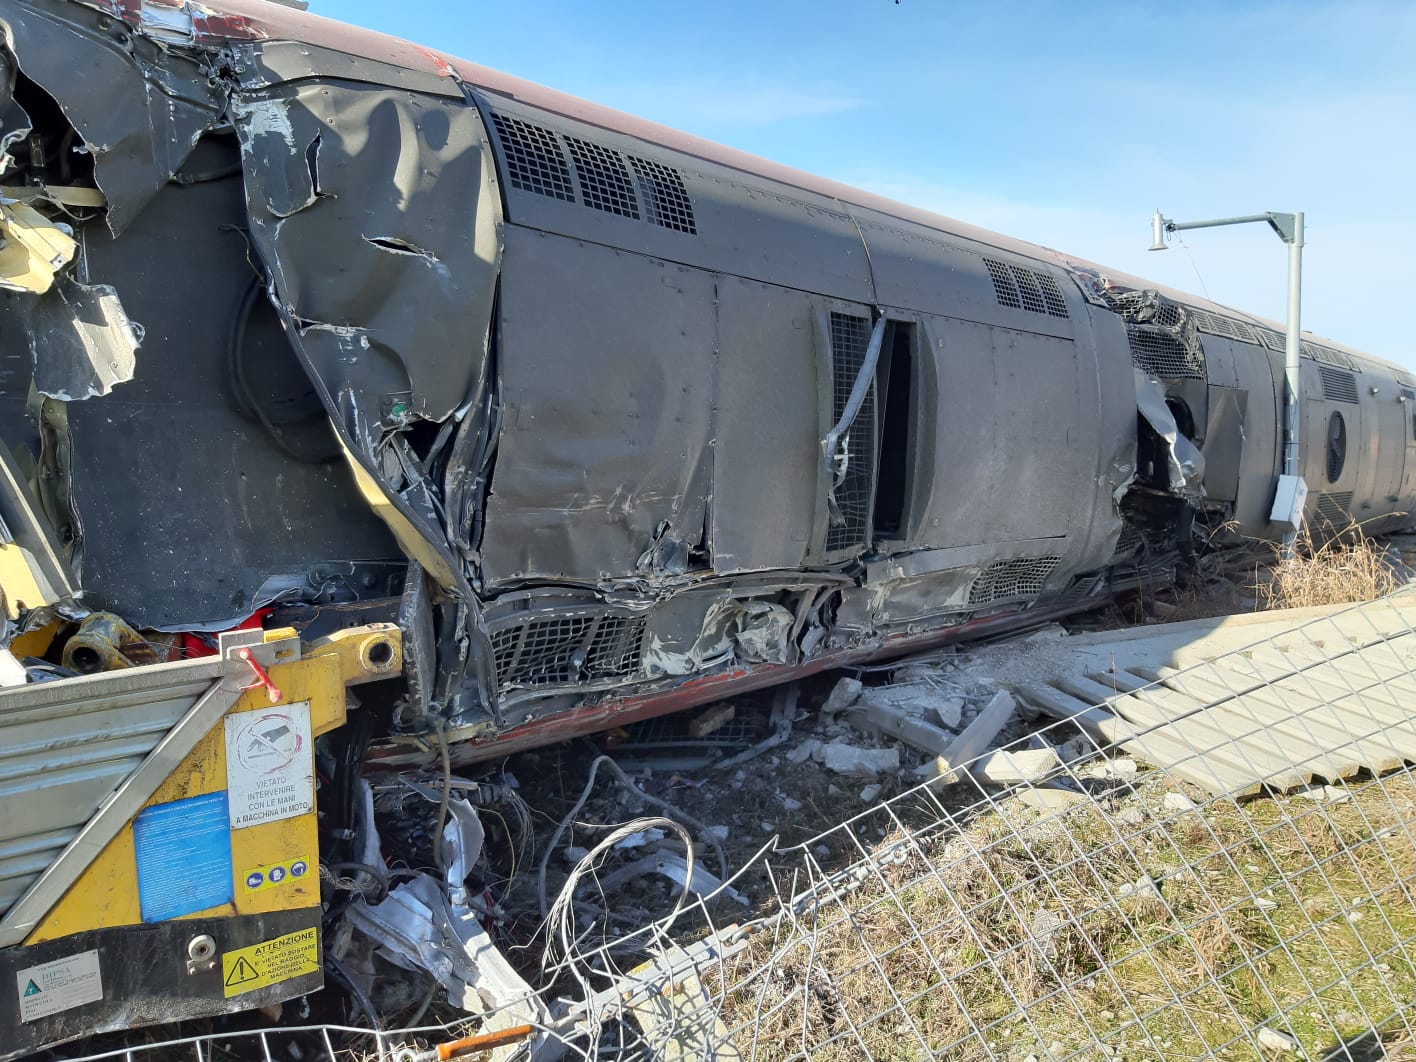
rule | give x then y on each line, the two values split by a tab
1333	510
1052	296
850	338
1029	290
1005	289
565	650
604	182
665	198
1328	356
1223	326
534	160
1022	289
1159	352
1002	580
1338	386
1129	542
1277	341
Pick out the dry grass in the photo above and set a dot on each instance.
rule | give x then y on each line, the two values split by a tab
1349	567
1014	936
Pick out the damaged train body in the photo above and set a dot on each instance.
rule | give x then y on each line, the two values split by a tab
605	417
572	418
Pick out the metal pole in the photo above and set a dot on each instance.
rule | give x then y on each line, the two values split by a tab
1292	365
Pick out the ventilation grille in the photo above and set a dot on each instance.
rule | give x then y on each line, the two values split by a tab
1338	386
534	160
665	198
1223	326
568	649
1334	509
1161	353
1129	542
1024	289
604	182
1007	579
850	338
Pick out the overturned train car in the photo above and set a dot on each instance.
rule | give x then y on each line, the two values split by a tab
568	417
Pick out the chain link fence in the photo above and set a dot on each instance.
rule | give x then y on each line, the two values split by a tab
1215	862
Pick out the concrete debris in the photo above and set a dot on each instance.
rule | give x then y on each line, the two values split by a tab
1275	1040
1014	767
1052	799
911	729
852	759
975	738
843	695
1323	794
869	793
1131	817
1179	802
918	700
1144	886
1115	769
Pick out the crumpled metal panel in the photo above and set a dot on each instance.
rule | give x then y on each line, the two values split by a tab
371	209
604	463
139	107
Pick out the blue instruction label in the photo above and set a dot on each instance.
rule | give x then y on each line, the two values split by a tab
184	857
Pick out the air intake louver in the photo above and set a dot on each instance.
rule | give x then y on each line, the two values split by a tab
1024	289
534	160
1338	384
1333	510
850	339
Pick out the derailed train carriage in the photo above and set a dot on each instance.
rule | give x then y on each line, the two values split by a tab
533	415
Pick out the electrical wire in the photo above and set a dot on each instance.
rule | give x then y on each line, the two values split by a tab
629	785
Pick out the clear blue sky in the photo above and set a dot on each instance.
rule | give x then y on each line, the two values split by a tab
1061	123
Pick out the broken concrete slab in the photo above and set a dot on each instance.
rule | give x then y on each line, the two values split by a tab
843	695
917	699
1014	767
975	738
852	759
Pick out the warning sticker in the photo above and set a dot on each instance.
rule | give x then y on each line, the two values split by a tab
260	965
59	985
270	876
270	766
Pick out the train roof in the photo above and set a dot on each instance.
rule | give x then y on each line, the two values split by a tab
261	20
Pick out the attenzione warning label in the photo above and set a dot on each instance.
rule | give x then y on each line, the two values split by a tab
270	766
269	963
59	985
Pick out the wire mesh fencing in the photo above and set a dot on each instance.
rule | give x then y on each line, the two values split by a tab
1186	859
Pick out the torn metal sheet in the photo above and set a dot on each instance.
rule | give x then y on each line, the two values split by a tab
139	107
419	929
1186	469
81	341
